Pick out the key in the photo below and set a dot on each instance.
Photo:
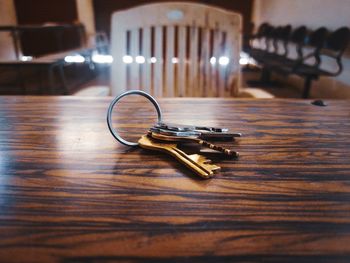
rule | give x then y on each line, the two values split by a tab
197	163
203	135
201	142
180	127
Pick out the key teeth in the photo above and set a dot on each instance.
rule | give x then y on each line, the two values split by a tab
206	163
204	160
213	168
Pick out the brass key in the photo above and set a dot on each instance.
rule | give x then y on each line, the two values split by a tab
197	163
201	142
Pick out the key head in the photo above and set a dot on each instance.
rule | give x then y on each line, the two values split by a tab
147	143
174	133
219	136
205	133
187	128
174	127
171	138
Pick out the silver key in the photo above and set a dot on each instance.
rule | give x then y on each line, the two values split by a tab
200	134
180	127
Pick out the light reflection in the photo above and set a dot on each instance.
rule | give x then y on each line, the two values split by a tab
224	61
128	59
175	60
26	58
245	59
213	60
153	60
102	59
74	59
140	59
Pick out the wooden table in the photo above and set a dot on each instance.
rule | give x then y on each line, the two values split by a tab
70	193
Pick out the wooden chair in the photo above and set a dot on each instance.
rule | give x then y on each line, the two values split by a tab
176	50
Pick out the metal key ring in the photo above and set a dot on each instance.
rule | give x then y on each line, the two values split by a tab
115	101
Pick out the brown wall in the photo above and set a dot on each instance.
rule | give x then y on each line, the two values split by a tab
85	10
37	12
43	11
7	17
104	9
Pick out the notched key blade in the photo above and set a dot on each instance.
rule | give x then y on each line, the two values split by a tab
205	162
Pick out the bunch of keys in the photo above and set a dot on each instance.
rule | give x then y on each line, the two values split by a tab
166	137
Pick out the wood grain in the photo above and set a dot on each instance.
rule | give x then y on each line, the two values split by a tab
70	193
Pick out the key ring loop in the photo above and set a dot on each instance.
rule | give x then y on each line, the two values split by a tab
115	101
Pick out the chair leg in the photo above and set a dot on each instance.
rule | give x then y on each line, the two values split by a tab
20	81
265	80
63	80
307	87
265	76
51	80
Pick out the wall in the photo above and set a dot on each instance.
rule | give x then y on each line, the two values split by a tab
86	15
312	13
43	11
24	12
53	11
7	17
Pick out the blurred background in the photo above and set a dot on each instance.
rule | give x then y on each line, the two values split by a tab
63	47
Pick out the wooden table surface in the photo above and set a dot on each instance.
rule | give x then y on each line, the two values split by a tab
70	193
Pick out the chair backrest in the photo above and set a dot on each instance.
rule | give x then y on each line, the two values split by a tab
333	50
176	50
296	42
298	35
262	29
314	42
338	41
280	39
259	40
317	38
269	35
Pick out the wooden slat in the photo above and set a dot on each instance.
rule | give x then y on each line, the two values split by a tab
146	52
222	68
235	43
208	65
135	81
119	77
181	74
214	91
213	65
192	87
169	65
204	65
232	80
158	77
